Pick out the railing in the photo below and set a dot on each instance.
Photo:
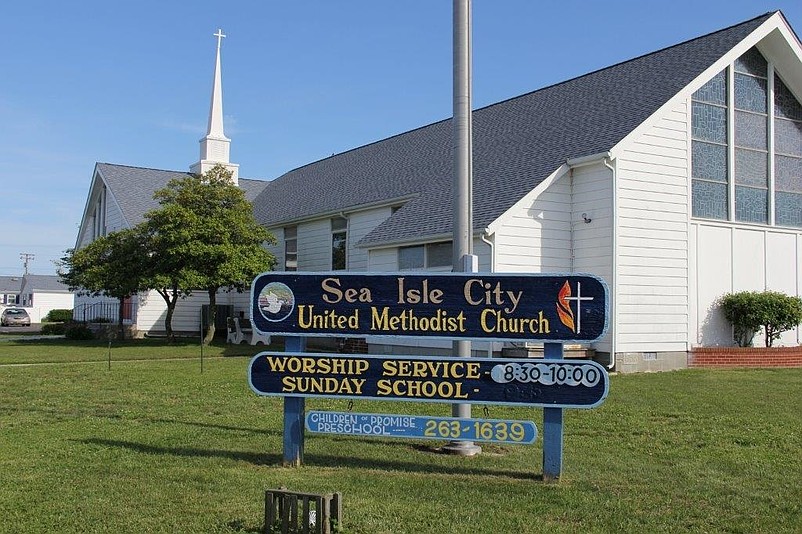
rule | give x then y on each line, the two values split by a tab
289	512
104	312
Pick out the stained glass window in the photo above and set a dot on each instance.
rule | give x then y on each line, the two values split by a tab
752	62
788	209
709	123
750	130
785	105
711	165
750	93
788	137
751	204
709	161
788	157
714	91
751	168
709	149
787	173
709	199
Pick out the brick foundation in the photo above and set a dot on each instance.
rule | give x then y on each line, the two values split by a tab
745	357
353	345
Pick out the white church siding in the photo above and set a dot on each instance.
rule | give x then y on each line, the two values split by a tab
277	250
360	223
535	235
592	242
383	259
652	240
731	258
314	245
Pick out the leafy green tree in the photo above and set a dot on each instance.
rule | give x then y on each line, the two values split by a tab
749	311
204	236
780	313
111	265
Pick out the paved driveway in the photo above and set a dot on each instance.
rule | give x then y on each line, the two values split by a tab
34	328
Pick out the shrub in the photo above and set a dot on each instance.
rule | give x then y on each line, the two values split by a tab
749	311
78	332
54	329
58	316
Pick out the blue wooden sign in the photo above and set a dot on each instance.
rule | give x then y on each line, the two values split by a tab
504	307
556	384
421	427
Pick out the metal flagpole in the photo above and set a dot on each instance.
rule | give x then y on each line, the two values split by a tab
463	258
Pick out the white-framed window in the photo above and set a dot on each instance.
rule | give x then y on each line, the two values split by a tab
428	256
339	244
290	248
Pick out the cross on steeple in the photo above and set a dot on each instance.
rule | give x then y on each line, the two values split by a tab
219	36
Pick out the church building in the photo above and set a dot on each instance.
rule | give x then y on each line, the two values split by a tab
675	176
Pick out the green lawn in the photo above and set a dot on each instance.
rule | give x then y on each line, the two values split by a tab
158	446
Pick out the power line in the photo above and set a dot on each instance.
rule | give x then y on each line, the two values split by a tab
26	257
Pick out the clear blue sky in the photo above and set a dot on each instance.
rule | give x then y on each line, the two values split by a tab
129	82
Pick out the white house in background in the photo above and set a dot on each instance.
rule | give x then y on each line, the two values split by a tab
9	290
675	176
37	293
41	293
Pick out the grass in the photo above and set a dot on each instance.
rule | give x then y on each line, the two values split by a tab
158	446
15	350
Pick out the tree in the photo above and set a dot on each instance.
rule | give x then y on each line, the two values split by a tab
111	265
749	311
204	236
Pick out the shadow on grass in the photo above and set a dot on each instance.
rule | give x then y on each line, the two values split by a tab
62	415
189	452
317	460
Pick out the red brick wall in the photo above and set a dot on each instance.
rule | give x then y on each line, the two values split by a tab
745	357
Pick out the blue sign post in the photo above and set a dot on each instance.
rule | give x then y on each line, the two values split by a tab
553	426
294	407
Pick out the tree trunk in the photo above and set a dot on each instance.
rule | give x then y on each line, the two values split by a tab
170	298
120	316
212	318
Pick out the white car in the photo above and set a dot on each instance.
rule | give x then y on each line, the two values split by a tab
15	317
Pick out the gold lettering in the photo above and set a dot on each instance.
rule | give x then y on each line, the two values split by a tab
332	285
288	384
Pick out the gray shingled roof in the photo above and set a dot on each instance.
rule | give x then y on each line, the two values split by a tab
517	144
45	283
133	187
10	284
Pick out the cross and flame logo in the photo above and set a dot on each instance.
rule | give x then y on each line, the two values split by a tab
564	310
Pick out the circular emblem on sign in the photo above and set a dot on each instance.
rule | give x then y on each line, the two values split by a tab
276	301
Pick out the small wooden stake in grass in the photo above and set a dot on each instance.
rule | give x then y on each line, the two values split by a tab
109	355
201	341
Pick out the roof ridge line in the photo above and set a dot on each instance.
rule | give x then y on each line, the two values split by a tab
140	167
766	15
608	67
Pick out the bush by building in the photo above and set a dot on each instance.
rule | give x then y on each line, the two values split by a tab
58	316
751	311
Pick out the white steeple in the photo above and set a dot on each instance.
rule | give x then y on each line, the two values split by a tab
214	148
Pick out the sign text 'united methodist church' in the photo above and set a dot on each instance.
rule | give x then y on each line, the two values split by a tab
509	307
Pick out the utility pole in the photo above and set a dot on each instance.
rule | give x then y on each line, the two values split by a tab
26	257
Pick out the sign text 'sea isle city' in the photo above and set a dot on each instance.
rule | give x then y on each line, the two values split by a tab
548	308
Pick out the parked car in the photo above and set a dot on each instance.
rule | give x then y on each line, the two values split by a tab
15	317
